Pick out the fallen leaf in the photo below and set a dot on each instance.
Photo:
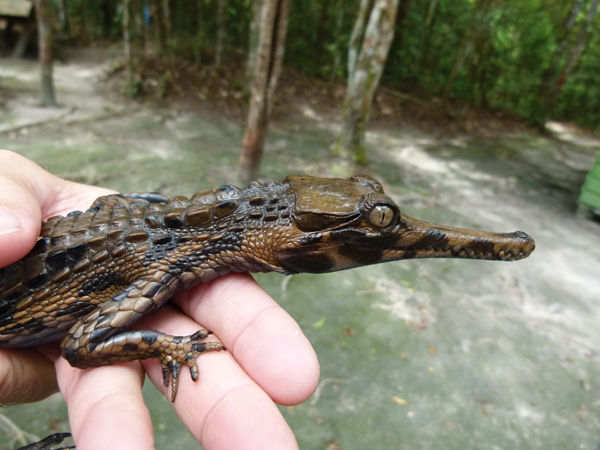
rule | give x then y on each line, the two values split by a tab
319	323
399	400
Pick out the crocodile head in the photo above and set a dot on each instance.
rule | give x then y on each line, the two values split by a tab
339	224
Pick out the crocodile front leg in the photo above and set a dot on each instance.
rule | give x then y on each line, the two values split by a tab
98	339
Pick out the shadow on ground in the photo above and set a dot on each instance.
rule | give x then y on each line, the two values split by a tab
418	354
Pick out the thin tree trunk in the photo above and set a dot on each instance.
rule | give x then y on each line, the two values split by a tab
166	13
319	48
356	38
465	51
401	15
281	26
45	48
159	26
425	34
199	42
253	38
337	45
63	17
273	29
127	44
574	55
479	72
364	77
104	13
478	24
578	46
136	19
19	50
221	32
551	73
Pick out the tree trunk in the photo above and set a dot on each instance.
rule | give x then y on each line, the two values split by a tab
63	17
21	46
337	44
465	51
137	22
271	45
105	13
364	74
253	42
551	74
127	45
318	46
199	41
278	51
159	25
221	32
577	49
479	71
356	38
45	48
401	15
166	13
425	35
477	27
554	91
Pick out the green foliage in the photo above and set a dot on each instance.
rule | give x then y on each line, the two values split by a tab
313	35
513	46
513	49
133	90
581	92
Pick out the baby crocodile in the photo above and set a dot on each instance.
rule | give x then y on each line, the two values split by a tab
92	274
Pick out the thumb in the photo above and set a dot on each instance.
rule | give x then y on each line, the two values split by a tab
28	193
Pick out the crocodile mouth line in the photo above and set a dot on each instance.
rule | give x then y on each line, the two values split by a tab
426	240
470	253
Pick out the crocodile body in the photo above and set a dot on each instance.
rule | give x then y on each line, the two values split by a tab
92	274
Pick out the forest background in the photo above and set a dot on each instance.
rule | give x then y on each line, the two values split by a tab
533	58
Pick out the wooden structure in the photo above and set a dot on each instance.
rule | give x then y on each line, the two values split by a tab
17	25
590	191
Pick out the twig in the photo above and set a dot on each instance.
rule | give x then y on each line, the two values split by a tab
16	435
38	123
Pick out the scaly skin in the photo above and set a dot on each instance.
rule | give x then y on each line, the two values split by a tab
93	273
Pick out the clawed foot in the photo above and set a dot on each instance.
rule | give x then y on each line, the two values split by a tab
184	350
49	442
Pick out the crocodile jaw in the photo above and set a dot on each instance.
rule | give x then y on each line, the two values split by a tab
419	239
410	239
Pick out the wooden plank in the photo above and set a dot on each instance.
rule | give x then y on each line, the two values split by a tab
16	8
590	191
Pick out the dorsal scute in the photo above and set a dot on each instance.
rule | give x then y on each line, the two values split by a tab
173	212
228	192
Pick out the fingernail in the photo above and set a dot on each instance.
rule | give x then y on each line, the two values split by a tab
9	223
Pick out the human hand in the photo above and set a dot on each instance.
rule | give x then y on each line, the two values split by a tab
231	406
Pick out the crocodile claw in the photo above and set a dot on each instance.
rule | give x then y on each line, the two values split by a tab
186	350
49	442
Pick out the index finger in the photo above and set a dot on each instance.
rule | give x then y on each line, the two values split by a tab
263	338
269	359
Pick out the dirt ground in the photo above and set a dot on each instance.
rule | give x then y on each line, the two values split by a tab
418	354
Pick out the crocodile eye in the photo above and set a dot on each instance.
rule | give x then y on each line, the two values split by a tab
381	216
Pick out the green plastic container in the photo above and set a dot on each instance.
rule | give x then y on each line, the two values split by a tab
590	191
